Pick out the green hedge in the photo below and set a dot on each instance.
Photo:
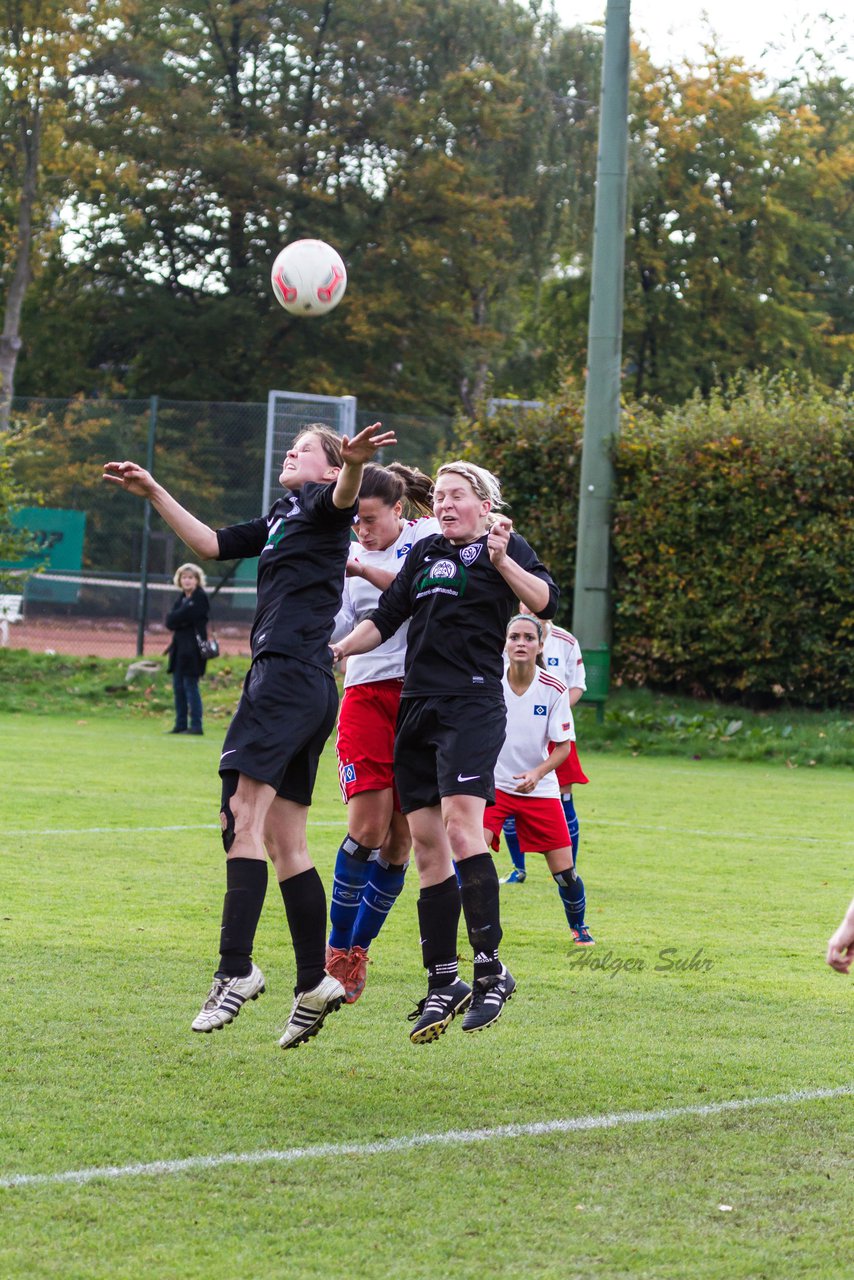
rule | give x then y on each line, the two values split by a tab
733	534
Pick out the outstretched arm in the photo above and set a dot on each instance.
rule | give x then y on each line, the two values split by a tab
357	452
135	479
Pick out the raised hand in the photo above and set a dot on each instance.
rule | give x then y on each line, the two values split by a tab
132	478
498	539
363	446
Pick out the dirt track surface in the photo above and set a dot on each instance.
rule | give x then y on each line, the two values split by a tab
107	638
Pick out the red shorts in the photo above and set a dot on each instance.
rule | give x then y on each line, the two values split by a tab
540	822
570	771
365	742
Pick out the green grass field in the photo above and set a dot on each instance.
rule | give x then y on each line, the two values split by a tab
112	892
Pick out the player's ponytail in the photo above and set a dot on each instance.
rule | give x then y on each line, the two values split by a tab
398	483
418	487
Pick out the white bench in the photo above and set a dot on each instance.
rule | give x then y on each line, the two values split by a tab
11	610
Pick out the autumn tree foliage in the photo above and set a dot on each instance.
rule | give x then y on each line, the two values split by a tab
739	238
41	40
155	157
431	143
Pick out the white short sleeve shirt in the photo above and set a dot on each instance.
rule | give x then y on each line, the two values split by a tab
539	716
562	656
360	598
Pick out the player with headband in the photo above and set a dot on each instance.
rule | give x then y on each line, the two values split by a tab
561	658
539	736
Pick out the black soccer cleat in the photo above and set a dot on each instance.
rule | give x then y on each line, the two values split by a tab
488	999
435	1013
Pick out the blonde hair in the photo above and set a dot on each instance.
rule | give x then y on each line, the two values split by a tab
485	484
190	568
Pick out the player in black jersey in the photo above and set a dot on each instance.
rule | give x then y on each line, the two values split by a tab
460	589
286	711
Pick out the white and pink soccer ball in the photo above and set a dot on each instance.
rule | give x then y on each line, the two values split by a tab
309	278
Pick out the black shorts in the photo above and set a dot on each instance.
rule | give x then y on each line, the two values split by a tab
447	747
285	714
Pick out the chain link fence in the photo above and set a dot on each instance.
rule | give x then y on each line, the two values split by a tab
100	581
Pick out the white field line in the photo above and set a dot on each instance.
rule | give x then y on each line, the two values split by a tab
390	1146
107	831
593	822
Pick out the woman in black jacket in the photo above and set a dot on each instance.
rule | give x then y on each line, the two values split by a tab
188	619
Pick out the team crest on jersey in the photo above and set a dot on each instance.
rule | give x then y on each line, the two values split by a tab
539	709
444	569
444	577
404	550
552	662
468	555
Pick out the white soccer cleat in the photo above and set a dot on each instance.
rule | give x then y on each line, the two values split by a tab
310	1009
226	998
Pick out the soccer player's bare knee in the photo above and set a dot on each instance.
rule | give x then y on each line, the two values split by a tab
397	843
465	840
369	814
243	810
285	837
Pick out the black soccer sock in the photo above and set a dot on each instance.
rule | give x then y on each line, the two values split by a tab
479	892
246	885
438	920
305	903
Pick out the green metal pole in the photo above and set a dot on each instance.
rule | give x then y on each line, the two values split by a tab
146	535
591	619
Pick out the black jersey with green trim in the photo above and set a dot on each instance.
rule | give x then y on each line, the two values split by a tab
460	606
302	548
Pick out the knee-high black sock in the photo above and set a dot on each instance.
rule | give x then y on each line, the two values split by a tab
305	904
246	885
479	893
438	919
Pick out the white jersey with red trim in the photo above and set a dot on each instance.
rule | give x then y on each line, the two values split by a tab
562	656
360	598
536	718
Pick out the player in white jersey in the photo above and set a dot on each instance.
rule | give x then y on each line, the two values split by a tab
372	860
562	658
539	738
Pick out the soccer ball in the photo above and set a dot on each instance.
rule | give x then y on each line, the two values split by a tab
309	278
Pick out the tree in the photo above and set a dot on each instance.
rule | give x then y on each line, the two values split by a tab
429	142
41	39
15	543
728	251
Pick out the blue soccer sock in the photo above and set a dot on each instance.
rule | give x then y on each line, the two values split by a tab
572	822
352	870
384	886
513	847
571	889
